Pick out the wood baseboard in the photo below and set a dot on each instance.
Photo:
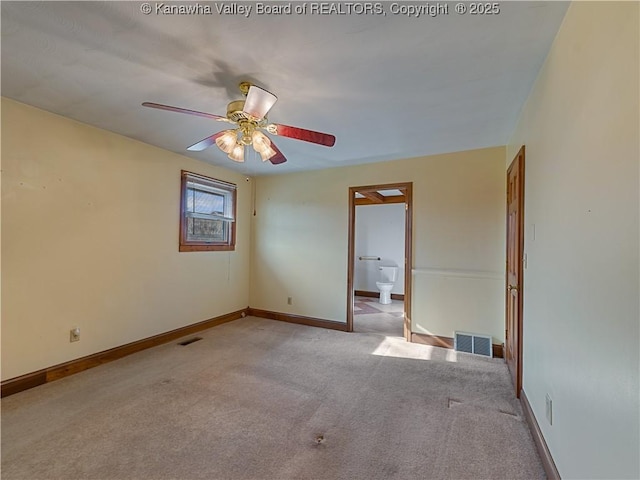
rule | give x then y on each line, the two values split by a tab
30	380
447	342
545	455
364	293
433	340
23	382
50	374
299	319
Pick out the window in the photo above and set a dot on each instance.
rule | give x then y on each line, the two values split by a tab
207	214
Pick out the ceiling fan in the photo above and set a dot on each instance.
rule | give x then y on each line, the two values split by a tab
249	117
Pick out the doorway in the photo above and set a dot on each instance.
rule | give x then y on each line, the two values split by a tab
515	250
386	194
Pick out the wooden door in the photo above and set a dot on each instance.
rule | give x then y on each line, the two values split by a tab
515	245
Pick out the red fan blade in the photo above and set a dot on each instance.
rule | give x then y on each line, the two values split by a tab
278	157
184	110
305	135
206	143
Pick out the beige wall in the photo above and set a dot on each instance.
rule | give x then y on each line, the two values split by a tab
581	288
89	225
300	240
89	239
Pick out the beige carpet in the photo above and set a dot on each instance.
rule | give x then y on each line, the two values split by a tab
260	399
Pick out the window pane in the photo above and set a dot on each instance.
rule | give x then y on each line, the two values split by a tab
209	203
190	195
206	230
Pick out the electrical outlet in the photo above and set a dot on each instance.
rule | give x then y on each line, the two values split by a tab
289	301
549	409
74	334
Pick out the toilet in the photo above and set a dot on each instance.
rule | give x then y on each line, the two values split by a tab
387	275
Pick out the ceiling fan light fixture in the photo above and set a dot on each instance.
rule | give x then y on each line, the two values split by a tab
267	153
258	102
260	141
227	141
237	153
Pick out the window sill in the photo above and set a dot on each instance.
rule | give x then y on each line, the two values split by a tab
207	248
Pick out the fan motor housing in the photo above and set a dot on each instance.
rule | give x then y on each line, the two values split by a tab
234	111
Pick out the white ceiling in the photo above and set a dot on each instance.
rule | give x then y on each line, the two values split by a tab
387	86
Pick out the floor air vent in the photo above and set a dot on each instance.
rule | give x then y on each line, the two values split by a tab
473	343
190	341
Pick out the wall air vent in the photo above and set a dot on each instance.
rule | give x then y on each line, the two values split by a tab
473	343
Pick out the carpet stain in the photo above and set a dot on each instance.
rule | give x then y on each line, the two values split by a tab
452	402
319	439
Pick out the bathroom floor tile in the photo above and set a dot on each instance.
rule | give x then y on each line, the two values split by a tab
370	316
